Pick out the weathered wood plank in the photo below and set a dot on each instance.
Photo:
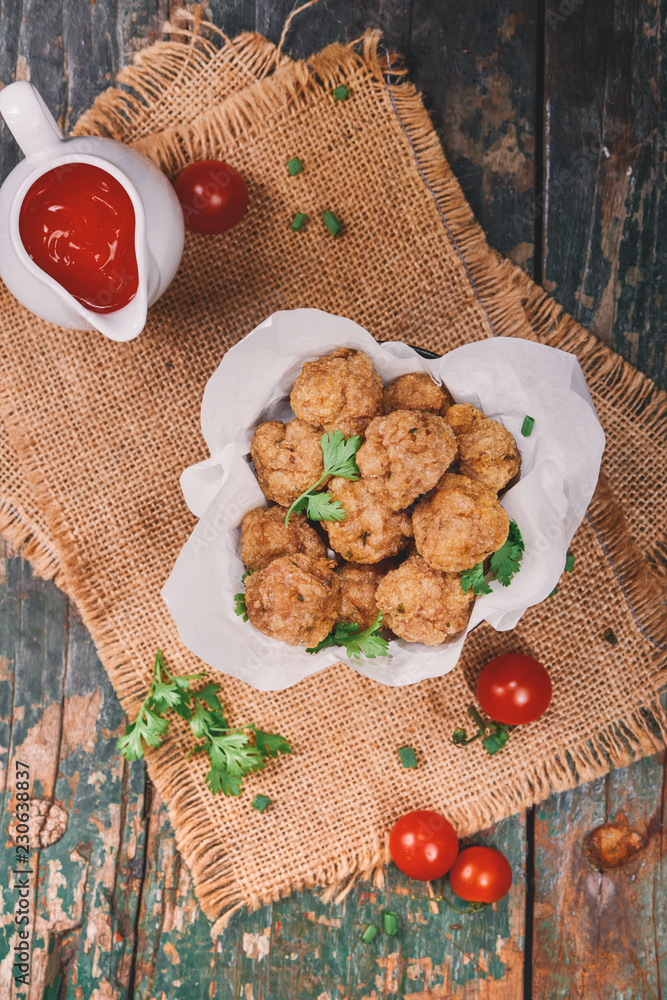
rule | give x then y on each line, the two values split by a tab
601	935
302	947
64	723
605	212
478	70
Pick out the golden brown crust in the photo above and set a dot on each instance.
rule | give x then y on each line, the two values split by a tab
487	450
370	531
421	604
264	537
404	455
294	599
287	459
357	592
416	391
460	525
339	392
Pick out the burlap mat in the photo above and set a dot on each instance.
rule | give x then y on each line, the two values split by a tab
103	431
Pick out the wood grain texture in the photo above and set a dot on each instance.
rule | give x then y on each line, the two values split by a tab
605	212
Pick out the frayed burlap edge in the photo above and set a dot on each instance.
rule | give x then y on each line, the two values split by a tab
194	47
511	301
26	540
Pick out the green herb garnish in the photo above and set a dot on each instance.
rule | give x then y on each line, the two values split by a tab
390	923
527	426
333	224
494	735
298	221
341	92
569	562
505	562
348	634
233	752
370	933
407	756
294	166
239	599
261	802
338	456
611	638
474	577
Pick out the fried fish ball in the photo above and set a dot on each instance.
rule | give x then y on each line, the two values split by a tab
370	531
487	450
416	391
294	599
339	392
460	525
357	592
404	455
265	536
422	604
287	459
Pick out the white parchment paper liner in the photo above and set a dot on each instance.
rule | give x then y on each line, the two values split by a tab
505	378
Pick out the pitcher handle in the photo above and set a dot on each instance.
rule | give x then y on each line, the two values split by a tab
28	118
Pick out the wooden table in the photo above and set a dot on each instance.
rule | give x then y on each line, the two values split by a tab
550	118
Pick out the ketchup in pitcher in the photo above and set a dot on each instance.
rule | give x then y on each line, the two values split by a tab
77	223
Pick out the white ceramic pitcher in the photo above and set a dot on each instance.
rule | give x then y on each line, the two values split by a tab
158	234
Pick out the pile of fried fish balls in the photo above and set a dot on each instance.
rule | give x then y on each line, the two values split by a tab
424	508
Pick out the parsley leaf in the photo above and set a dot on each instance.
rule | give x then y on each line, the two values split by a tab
368	642
240	606
321	507
505	562
338	456
233	752
474	577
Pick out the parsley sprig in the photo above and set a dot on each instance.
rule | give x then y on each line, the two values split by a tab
368	642
233	751
503	564
338	454
239	599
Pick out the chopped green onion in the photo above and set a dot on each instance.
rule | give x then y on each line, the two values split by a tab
332	223
261	802
298	221
408	757
390	923
554	591
611	638
294	166
370	933
569	562
341	92
527	426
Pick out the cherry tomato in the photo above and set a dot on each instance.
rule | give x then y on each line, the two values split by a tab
481	875
423	844
514	689
213	196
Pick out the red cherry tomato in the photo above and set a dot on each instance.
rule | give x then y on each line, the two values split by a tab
423	844
481	875
514	689
213	196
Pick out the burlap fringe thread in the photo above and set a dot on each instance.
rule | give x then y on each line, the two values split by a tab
644	731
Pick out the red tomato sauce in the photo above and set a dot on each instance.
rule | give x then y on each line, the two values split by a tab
77	223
